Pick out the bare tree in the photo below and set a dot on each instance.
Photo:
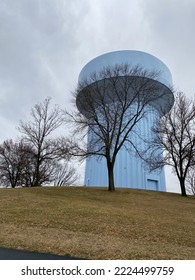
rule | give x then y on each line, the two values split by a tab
46	169
64	174
190	181
28	167
11	163
110	105
45	120
175	135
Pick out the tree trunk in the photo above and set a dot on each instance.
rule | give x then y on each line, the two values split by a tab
182	186
36	182
37	177
111	186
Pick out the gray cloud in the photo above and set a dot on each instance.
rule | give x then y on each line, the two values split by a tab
39	43
171	28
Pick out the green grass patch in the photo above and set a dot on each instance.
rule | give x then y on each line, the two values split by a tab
96	224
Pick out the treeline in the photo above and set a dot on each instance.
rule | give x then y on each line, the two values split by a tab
38	158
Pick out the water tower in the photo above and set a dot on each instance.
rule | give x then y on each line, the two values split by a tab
129	171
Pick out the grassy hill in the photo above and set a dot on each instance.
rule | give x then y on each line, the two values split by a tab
93	223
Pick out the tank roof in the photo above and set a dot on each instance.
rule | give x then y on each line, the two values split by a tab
131	57
163	80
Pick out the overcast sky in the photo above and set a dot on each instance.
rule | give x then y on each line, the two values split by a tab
45	43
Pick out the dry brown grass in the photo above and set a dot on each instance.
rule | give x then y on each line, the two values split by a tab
93	223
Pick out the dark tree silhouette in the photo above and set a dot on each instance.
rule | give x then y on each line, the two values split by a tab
175	134
64	174
190	181
45	120
110	105
12	163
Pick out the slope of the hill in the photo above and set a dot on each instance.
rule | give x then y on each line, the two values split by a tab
96	224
